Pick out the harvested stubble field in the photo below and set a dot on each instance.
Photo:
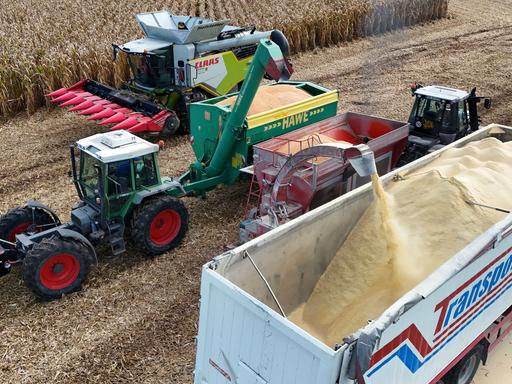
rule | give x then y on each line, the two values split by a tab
135	321
45	45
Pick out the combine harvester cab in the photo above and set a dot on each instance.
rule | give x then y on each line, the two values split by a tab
437	332
300	170
180	60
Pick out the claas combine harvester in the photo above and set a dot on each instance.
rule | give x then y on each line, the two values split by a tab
180	60
121	190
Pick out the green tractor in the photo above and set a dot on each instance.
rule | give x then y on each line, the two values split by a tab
120	189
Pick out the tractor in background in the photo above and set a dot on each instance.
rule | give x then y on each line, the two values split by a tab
180	60
439	116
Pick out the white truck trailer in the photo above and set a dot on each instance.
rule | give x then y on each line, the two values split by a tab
244	338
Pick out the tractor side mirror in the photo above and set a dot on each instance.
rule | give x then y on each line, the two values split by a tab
487	103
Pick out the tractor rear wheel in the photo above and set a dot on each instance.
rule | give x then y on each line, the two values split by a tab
159	224
56	267
23	219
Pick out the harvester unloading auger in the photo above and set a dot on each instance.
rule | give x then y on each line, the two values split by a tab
120	187
181	59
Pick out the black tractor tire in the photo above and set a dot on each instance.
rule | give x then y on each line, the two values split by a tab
20	220
465	370
171	126
56	267
159	224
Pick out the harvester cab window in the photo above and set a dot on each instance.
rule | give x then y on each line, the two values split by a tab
145	171
152	70
119	178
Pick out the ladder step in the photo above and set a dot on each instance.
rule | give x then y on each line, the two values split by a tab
118	245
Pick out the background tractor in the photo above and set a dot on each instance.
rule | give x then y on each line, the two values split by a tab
180	60
439	116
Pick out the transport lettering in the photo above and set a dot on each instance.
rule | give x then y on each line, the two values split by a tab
453	308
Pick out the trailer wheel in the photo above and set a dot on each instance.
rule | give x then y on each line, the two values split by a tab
159	224
56	267
465	370
23	219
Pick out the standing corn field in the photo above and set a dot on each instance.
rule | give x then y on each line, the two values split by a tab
47	45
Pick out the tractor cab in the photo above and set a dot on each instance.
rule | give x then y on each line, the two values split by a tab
440	113
439	116
114	166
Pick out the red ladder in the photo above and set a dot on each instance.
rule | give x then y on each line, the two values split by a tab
254	193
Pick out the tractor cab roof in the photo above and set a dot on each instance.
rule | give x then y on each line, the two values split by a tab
442	93
115	146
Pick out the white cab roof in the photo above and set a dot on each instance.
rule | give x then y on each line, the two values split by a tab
443	93
115	146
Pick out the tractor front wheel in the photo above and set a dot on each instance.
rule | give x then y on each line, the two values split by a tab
159	224
56	267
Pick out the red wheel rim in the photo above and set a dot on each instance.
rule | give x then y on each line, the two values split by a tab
165	227
17	230
59	271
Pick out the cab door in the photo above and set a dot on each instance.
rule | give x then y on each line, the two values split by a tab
119	187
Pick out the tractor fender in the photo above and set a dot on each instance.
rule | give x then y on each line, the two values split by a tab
37	205
166	185
70	234
25	242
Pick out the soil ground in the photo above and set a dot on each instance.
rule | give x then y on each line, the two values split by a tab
135	320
